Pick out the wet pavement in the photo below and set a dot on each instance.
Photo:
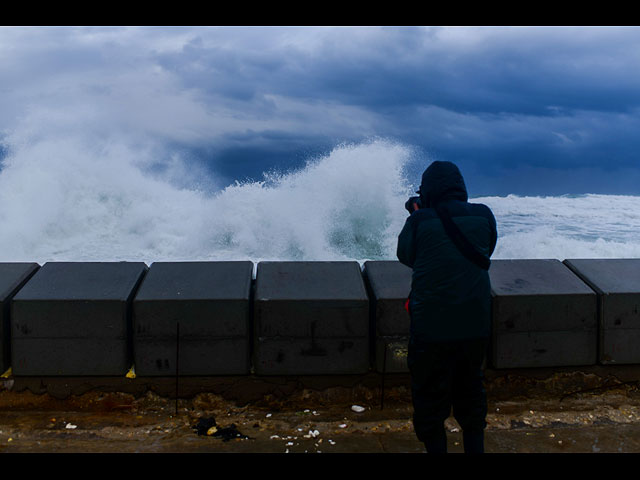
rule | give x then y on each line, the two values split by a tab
552	418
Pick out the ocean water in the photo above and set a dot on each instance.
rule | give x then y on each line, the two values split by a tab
63	200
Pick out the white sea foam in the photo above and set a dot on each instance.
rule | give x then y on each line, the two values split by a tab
58	203
66	200
584	226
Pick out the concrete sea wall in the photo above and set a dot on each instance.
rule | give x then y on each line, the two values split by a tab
296	318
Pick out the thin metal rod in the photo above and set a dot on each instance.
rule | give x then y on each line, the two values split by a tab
384	370
177	360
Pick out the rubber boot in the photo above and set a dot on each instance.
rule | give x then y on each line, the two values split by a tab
437	444
473	441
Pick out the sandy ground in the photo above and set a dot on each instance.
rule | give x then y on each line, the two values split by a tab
569	412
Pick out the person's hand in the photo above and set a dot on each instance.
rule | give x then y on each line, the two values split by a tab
412	205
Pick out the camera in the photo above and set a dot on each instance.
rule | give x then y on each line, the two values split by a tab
409	204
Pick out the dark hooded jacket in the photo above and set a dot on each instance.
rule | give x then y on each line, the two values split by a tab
450	295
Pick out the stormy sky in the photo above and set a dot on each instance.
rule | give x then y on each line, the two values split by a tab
523	110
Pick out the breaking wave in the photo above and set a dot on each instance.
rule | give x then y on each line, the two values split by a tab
63	201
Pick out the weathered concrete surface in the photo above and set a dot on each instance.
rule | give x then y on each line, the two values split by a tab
543	315
207	304
13	276
310	318
73	318
617	282
389	284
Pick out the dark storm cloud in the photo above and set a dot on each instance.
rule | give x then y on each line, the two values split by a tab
513	70
498	100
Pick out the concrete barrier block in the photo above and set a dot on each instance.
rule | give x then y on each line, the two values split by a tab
543	315
13	276
310	318
208	304
617	283
389	284
74	318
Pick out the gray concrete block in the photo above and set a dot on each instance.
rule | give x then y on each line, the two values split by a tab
310	318
211	303
389	284
13	276
74	318
617	283
543	315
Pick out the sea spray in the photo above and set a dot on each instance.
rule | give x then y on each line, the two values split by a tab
67	200
63	201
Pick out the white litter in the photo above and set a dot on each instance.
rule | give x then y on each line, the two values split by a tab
70	426
357	408
314	433
343	425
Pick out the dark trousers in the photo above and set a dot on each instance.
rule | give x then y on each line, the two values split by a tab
446	376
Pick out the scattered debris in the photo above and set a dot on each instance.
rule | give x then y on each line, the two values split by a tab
312	434
70	426
357	408
208	426
204	424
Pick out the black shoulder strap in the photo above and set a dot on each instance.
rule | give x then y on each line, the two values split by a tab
460	241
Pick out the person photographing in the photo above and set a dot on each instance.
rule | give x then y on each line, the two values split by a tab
448	242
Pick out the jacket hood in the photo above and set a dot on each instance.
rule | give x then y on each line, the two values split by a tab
442	181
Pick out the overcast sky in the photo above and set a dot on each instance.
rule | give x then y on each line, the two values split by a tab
525	110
